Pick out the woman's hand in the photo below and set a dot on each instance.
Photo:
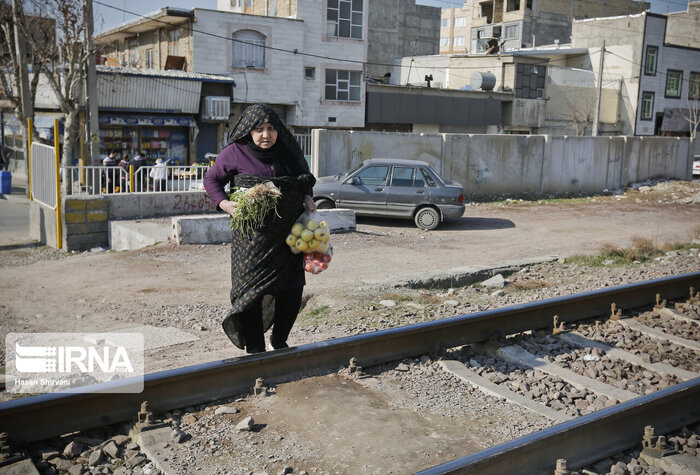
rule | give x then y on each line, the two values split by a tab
228	206
309	203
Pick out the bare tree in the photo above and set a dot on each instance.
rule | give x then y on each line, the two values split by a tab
10	65
692	113
580	114
63	62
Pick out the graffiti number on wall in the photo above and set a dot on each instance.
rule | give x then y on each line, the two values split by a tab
184	203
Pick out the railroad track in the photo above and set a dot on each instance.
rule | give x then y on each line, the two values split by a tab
596	428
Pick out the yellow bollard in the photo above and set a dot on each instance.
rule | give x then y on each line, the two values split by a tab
57	147
30	122
131	178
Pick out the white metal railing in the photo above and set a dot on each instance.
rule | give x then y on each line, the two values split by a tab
100	180
43	174
304	142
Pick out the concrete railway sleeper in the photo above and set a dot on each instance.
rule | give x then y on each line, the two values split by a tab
599	394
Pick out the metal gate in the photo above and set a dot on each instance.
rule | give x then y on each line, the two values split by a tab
43	176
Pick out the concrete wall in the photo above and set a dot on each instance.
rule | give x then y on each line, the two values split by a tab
131	206
493	164
42	223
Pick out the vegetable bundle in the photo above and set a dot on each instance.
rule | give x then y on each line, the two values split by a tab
253	206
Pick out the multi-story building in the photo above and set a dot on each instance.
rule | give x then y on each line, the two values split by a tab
660	74
455	30
310	68
395	28
523	23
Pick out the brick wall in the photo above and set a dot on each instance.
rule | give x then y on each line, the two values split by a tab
85	223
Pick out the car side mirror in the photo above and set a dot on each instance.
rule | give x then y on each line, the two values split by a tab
354	181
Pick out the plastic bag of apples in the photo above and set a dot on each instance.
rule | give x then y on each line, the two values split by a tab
311	235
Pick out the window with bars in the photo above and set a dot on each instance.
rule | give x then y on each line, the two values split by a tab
248	49
444	41
344	18
650	60
694	86
133	54
445	23
647	105
343	85
459	41
461	21
149	58
674	81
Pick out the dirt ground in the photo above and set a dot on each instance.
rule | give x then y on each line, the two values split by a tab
186	288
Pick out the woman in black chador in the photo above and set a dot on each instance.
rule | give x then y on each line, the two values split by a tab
262	149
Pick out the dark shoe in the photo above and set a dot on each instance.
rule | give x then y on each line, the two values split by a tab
250	351
277	346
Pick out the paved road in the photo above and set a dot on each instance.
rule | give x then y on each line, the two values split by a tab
14	218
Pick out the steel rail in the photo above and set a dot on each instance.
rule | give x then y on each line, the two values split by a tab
587	439
47	415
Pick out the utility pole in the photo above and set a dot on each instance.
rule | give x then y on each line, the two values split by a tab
93	124
596	117
27	106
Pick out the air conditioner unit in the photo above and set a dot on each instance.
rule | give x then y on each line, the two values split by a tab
216	108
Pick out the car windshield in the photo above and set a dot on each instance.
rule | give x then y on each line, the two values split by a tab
348	173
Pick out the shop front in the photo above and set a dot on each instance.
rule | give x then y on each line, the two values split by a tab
166	137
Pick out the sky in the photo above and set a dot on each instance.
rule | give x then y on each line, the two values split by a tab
112	13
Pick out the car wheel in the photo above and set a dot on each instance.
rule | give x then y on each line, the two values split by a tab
324	204
427	218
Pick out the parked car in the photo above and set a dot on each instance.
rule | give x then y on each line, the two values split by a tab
393	188
696	167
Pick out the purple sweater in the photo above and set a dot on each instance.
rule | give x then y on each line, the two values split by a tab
232	160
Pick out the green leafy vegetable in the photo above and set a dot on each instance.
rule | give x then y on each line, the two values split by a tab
253	206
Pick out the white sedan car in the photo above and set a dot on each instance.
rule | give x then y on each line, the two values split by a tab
696	168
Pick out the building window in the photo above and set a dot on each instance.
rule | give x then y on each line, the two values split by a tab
173	44
309	73
343	85
511	31
461	21
149	58
650	60
694	86
444	41
248	49
513	5
529	81
445	23
133	54
647	105
344	18
459	41
674	80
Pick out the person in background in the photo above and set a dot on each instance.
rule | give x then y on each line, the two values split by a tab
139	178
261	148
124	172
109	174
160	175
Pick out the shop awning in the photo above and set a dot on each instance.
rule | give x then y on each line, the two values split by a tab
675	120
151	120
